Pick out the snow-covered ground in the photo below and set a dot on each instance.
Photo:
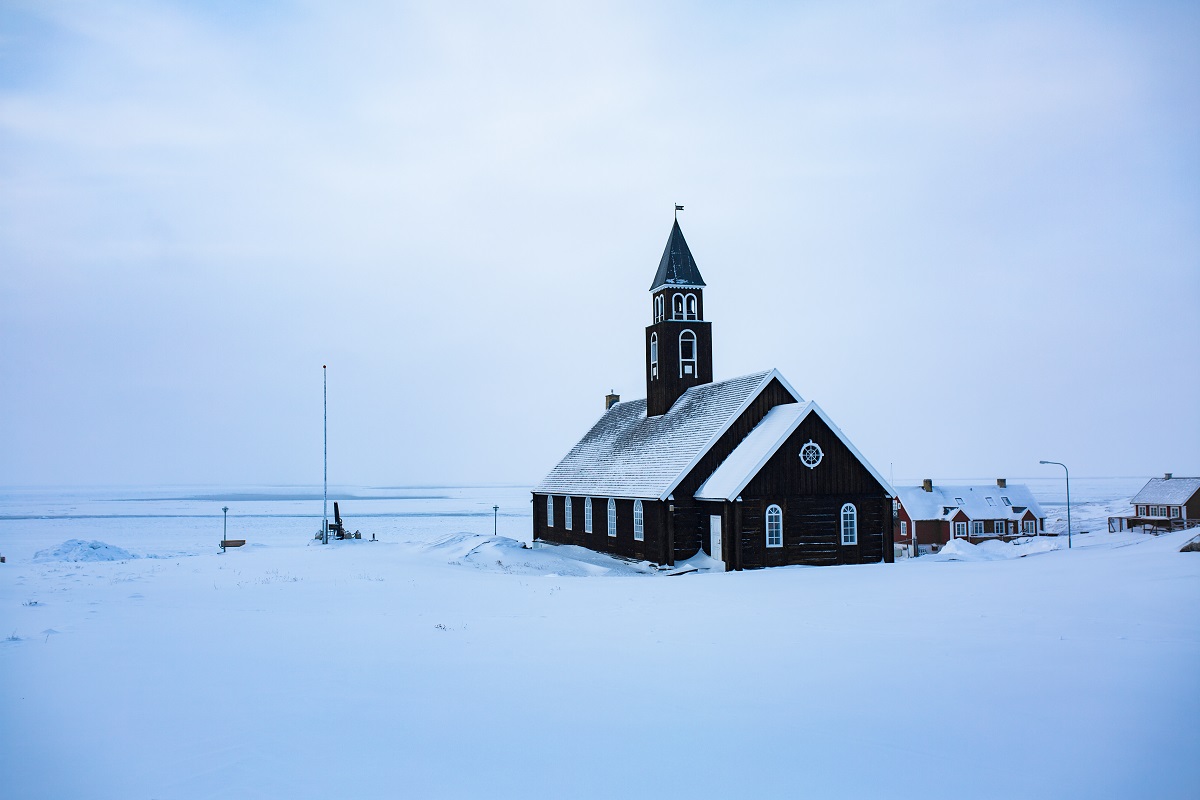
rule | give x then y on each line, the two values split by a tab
443	661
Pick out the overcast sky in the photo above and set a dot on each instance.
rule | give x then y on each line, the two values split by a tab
970	232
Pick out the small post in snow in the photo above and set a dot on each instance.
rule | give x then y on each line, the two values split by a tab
495	519
224	527
1068	473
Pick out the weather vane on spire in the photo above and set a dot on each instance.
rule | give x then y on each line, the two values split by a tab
678	208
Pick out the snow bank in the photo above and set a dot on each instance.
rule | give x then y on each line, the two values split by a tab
502	554
79	550
996	550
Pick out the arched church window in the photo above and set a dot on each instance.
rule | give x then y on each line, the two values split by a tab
774	526
687	354
549	511
691	307
612	517
849	524
639	530
677	307
653	356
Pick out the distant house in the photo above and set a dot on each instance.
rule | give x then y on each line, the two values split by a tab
936	514
1166	503
744	470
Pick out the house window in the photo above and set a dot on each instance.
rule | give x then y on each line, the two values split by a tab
658	308
1174	512
1141	511
1005	500
960	529
549	511
903	529
977	528
653	355
774	526
677	307
990	501
587	515
1028	526
639	529
567	513
998	527
612	517
687	353
849	524
691	307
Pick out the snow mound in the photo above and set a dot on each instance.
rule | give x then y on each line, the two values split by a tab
79	550
995	550
501	554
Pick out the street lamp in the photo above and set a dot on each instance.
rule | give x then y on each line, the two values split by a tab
495	519
1068	473
224	527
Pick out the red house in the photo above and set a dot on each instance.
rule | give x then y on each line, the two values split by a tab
936	514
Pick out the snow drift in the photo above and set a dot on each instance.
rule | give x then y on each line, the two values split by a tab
79	550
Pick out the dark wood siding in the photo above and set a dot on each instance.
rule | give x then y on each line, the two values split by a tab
663	391
623	544
812	501
691	516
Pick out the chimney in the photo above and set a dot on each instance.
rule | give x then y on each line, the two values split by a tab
1166	476
611	400
1002	483
927	484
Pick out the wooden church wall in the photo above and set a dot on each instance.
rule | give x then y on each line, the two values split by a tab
692	516
811	501
652	548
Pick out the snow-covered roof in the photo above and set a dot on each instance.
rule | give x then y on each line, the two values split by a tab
627	454
729	479
1168	491
943	502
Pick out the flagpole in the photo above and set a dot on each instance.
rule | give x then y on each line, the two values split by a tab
325	469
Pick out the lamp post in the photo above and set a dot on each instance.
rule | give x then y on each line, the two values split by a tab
495	520
1068	474
224	527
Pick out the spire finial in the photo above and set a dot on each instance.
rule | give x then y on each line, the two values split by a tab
678	208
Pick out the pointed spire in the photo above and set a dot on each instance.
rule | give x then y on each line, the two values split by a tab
677	267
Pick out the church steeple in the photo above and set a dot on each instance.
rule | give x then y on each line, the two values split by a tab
677	267
679	342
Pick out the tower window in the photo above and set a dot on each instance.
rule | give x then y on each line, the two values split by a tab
691	307
639	529
687	354
659	304
774	526
849	524
612	517
677	307
653	356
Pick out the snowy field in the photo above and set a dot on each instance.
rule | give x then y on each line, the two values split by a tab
441	661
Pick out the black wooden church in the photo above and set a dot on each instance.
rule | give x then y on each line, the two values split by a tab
745	469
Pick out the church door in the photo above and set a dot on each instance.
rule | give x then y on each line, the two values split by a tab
714	537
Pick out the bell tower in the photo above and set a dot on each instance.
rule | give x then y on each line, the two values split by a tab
679	342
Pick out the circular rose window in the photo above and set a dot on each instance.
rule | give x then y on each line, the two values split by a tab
810	454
